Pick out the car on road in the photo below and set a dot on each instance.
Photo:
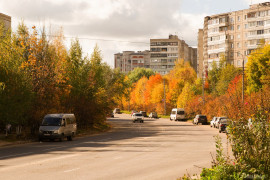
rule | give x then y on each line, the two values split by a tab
144	113
199	118
137	117
153	115
212	122
58	126
217	122
177	114
116	111
223	125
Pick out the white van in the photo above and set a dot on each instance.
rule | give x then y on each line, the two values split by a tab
58	126
177	114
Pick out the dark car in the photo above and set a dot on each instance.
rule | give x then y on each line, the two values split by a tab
200	119
143	113
223	125
153	115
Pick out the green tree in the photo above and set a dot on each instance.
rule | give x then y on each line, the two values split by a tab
138	73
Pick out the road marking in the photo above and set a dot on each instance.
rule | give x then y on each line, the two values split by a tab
71	170
15	155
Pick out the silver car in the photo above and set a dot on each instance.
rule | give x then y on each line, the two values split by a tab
137	117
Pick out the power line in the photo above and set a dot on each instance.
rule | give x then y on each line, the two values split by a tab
97	39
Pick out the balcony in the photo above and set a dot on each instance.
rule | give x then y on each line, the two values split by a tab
214	51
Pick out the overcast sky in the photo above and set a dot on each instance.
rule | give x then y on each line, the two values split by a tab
119	25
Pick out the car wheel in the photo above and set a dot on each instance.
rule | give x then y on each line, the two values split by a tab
219	131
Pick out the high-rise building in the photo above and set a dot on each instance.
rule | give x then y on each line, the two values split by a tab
6	20
164	53
129	60
234	35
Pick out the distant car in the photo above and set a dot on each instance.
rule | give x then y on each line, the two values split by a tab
217	122
143	113
212	122
153	115
116	111
223	125
137	117
199	118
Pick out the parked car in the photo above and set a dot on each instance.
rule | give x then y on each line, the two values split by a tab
116	111
223	125
144	113
153	115
199	118
137	117
212	122
218	121
58	126
177	114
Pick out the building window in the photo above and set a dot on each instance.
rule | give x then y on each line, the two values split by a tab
232	45
232	20
246	26
238	27
238	63
245	16
239	18
232	28
238	45
238	36
260	23
231	36
260	32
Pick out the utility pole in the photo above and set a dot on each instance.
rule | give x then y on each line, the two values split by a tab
243	84
203	87
164	97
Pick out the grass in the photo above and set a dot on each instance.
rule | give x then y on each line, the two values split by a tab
164	116
126	112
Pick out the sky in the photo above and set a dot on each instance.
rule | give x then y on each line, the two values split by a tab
118	25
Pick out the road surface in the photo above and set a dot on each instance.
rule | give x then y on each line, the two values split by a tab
153	150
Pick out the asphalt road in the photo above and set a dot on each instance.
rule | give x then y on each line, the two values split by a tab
156	149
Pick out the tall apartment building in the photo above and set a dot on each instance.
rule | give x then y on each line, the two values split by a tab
234	35
6	20
129	60
164	53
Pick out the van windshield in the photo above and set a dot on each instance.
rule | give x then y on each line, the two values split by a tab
51	121
181	112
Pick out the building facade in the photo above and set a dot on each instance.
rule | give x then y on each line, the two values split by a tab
233	36
165	52
129	60
6	20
